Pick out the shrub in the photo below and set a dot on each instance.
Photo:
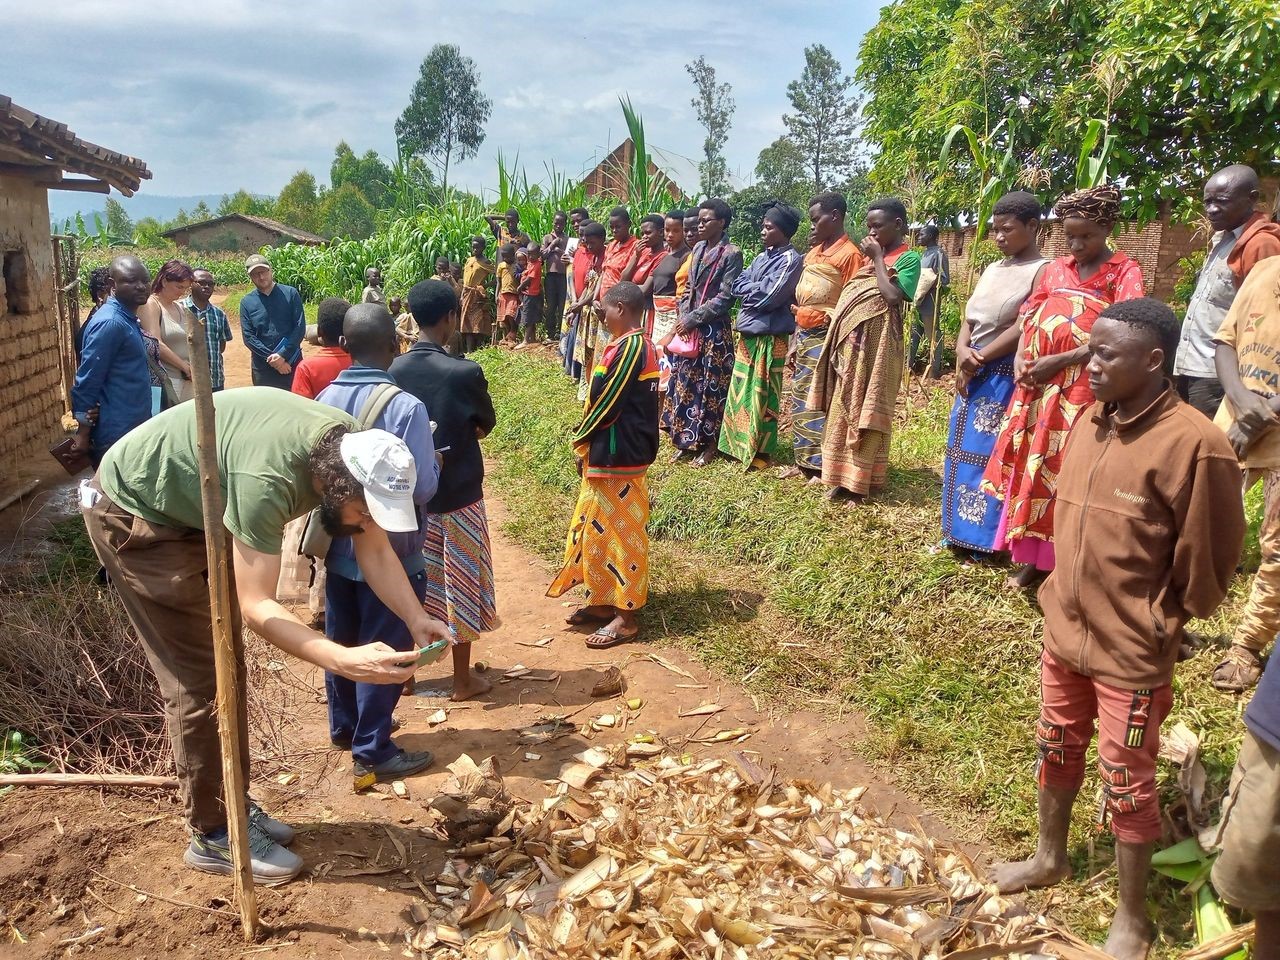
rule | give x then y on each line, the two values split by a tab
227	267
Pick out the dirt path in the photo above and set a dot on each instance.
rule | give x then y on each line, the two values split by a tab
65	856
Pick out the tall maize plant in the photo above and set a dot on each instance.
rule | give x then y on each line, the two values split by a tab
407	245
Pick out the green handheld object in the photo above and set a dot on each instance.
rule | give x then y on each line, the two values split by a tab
431	652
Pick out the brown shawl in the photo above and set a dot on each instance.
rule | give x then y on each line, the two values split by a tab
861	360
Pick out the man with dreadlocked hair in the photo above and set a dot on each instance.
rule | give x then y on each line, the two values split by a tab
1052	388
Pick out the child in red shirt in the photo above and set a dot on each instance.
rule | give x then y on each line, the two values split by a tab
319	370
531	293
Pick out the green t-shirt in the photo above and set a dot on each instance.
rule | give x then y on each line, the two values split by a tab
265	437
907	272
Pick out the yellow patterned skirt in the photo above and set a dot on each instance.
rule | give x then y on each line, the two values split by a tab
608	544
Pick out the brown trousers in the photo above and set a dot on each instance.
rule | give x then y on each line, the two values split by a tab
161	576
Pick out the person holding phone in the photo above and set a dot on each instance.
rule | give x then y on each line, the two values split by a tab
360	713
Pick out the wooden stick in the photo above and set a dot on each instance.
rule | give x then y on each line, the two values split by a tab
1221	946
85	780
227	650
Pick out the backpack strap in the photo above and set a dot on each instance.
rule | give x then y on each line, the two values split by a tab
375	403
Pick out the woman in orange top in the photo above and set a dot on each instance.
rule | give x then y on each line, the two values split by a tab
831	262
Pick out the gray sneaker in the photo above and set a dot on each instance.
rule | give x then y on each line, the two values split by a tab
281	833
271	863
401	765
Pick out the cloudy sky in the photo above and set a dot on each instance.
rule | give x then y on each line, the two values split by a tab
228	94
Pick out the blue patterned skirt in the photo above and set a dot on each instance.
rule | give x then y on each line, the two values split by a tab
969	516
806	424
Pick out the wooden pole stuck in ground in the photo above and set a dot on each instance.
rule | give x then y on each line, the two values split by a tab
227	644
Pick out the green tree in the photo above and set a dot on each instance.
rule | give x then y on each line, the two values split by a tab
201	212
298	205
242	201
780	168
445	118
345	212
119	223
824	124
713	102
1185	86
146	232
369	173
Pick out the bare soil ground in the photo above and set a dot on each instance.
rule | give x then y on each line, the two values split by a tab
100	872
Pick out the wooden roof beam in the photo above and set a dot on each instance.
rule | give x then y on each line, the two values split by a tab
79	186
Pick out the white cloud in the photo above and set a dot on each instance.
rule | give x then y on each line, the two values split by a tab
234	94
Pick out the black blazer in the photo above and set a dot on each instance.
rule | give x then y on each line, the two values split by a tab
456	396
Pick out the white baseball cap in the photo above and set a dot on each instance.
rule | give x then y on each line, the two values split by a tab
385	468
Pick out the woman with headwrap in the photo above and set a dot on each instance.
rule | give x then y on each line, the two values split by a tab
1052	386
767	289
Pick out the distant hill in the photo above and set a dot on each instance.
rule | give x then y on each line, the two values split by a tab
66	204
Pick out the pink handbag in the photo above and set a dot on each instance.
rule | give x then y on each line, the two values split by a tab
685	345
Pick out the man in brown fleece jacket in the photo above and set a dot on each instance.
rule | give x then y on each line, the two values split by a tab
1148	532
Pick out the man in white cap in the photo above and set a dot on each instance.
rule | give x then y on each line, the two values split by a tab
279	457
272	324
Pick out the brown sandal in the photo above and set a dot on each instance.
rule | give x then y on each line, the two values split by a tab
1239	670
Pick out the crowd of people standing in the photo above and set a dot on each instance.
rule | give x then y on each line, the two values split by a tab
1081	446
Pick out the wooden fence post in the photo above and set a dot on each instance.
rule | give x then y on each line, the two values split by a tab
227	644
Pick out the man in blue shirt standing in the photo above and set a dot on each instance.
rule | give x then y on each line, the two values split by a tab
113	374
360	713
272	324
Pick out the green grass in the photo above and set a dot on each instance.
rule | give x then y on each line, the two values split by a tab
941	659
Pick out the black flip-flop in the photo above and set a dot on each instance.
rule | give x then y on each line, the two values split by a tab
580	617
609	638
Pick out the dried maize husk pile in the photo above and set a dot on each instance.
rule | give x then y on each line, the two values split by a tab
711	860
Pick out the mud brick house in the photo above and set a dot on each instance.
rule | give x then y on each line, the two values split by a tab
38	287
240	232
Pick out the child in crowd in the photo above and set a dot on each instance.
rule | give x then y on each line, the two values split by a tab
1148	529
445	274
531	293
477	313
508	295
319	370
608	543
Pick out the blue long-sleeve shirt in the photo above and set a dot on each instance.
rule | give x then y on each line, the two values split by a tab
273	323
405	417
767	290
112	375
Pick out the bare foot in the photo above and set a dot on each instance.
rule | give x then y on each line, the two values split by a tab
1029	874
476	686
788	473
1128	939
1026	577
814	481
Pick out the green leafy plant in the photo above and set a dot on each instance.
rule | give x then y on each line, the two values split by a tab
1091	169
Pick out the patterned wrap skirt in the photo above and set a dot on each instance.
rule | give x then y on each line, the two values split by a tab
807	423
460	572
697	390
755	396
970	516
607	547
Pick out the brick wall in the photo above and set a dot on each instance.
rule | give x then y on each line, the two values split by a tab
1157	247
30	385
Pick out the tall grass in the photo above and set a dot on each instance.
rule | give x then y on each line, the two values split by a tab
407	246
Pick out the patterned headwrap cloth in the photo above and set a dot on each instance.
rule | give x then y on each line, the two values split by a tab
1097	205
